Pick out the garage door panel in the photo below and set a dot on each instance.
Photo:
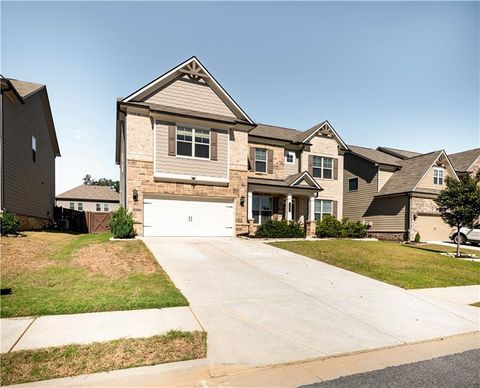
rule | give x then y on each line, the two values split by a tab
188	217
432	228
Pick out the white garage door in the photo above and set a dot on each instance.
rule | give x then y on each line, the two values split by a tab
187	217
432	228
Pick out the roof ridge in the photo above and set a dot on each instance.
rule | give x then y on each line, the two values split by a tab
278	126
425	154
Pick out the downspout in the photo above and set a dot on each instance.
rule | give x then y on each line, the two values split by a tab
409	216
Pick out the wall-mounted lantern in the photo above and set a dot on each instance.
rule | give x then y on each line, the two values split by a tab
135	195
242	201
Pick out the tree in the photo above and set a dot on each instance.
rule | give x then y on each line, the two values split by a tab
88	180
459	203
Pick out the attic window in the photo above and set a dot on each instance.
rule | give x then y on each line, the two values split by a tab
34	149
438	176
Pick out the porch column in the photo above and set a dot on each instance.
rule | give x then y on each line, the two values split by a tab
288	207
311	209
249	206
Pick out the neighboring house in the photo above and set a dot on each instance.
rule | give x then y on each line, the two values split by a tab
28	150
392	191
90	198
192	163
466	162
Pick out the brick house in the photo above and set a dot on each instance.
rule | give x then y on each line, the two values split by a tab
193	163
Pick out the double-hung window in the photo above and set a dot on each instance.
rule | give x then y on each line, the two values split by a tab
353	184
438	176
72	205
322	167
260	160
105	207
193	142
262	207
98	207
289	157
323	208
80	206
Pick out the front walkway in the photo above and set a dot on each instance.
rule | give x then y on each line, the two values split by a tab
59	330
262	305
459	295
453	245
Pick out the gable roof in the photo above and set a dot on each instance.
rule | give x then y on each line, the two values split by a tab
23	90
374	156
411	173
306	136
398	153
462	161
91	193
291	181
196	68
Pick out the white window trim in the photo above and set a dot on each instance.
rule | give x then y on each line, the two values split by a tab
100	205
289	153
352	191
322	168
263	161
440	175
193	142
78	203
322	214
260	211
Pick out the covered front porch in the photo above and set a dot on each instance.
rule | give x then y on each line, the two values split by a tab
292	199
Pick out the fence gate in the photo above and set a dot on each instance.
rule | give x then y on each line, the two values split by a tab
98	222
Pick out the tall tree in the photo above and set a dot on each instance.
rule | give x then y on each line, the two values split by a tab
87	179
459	203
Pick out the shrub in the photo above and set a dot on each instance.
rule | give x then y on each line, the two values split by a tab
329	227
121	223
8	223
280	229
417	237
353	229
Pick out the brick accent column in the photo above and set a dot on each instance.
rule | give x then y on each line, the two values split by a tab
311	229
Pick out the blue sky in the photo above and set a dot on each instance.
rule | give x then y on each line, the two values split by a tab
401	74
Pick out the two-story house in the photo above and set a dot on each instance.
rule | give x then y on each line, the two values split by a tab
193	163
28	146
392	191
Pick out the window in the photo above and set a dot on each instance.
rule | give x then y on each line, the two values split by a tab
289	157
262	208
353	184
322	208
193	142
260	160
322	167
105	207
438	176
79	206
34	149
72	205
98	207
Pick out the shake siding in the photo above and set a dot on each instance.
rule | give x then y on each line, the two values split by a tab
191	95
385	214
191	166
29	187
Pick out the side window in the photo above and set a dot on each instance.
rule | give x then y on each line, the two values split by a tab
98	207
289	157
438	176
105	207
353	184
260	160
80	206
72	205
34	149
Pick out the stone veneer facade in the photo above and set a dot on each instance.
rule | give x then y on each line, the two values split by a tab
140	177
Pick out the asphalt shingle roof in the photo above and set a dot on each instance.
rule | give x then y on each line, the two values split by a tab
274	132
91	193
25	88
402	154
463	160
375	155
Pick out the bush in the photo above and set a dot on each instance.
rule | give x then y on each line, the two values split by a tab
280	229
329	227
121	223
8	223
417	237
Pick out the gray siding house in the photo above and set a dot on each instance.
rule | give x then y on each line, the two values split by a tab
29	147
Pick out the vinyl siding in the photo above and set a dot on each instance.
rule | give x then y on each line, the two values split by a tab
383	177
385	214
191	95
190	166
88	206
427	180
29	187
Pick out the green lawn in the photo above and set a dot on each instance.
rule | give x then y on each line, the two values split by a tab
60	273
50	363
401	265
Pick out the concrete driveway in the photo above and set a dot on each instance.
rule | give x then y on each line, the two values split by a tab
261	305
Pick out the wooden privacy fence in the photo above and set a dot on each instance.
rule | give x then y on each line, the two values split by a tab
81	221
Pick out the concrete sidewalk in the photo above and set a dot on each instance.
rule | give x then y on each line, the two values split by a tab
459	295
59	330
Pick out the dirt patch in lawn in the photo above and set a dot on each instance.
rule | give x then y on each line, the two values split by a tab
116	259
29	253
43	364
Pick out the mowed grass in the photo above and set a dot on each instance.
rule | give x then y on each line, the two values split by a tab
398	264
59	273
50	363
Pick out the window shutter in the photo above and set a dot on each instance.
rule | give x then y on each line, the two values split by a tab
270	161
251	159
171	140
213	145
310	164
334	208
275	205
335	169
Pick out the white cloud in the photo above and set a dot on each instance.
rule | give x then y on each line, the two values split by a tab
80	134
